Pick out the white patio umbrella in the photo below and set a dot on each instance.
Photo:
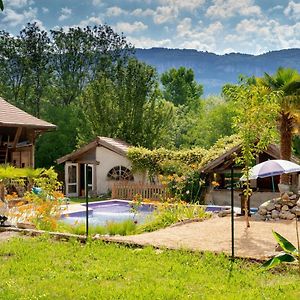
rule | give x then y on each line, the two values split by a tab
272	167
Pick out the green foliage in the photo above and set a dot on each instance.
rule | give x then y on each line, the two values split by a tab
45	74
63	140
179	169
290	252
180	87
287	82
126	227
220	148
213	122
126	105
167	214
79	54
255	124
155	161
1	5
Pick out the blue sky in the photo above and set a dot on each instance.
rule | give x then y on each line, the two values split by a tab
219	26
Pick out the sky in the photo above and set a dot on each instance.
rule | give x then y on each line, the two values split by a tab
219	26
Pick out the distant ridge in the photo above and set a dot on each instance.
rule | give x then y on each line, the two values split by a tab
213	70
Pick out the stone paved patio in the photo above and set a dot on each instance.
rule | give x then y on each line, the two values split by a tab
215	235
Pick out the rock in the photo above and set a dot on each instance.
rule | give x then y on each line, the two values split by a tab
290	216
285	197
297	211
293	197
258	217
262	211
275	214
224	213
270	206
26	225
290	193
278	206
291	203
298	203
282	215
285	208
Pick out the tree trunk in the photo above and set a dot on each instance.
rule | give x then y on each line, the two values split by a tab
286	126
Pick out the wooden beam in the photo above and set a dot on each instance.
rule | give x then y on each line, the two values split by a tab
17	137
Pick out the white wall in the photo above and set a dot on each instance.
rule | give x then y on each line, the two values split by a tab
109	159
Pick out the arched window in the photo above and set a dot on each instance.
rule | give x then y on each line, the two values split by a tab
120	173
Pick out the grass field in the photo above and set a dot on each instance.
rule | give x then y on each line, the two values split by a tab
39	268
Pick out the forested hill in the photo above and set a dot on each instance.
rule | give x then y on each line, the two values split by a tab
213	70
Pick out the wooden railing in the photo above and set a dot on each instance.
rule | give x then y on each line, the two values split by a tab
128	190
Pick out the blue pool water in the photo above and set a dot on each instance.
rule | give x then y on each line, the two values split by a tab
102	212
118	210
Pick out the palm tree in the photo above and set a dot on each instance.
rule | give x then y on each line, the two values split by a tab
287	81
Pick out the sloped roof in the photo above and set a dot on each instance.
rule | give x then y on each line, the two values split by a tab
13	116
112	144
225	160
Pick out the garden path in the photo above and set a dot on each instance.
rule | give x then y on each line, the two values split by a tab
215	235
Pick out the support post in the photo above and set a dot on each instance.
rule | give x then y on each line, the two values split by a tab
232	216
86	202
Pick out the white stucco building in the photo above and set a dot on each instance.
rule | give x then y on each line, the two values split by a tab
104	160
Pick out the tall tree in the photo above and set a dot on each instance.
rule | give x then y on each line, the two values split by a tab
180	87
127	105
25	68
287	81
79	54
255	124
12	68
212	123
36	45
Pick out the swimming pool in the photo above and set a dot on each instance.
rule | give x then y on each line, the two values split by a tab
120	210
112	210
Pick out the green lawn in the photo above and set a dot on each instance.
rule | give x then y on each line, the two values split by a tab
39	268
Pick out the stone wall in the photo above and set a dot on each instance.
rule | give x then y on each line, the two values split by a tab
286	207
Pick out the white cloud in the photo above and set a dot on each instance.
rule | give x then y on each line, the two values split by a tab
257	36
143	13
199	37
144	42
115	11
130	27
97	2
19	3
65	13
183	4
229	8
12	18
277	7
184	27
89	22
164	14
45	10
293	10
92	21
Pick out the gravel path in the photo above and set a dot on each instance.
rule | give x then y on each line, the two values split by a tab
215	235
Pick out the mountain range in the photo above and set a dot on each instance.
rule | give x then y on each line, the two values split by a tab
213	70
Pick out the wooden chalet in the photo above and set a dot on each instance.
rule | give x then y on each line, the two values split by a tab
18	132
